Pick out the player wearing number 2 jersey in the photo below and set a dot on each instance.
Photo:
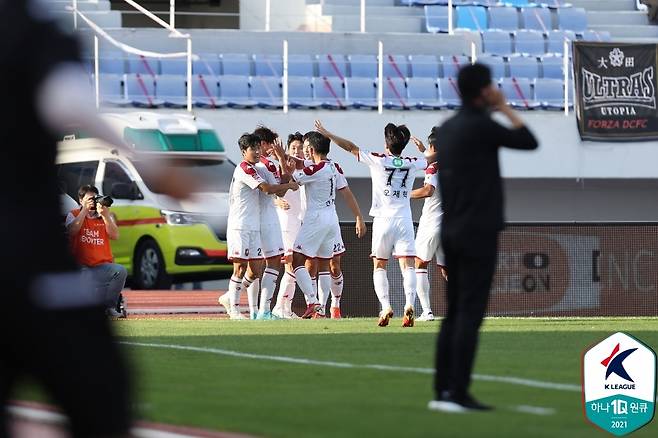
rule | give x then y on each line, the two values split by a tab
392	229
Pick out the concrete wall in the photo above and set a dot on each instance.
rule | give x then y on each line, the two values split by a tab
284	14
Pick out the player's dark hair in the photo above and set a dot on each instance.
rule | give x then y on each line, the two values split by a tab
248	140
472	79
396	138
265	134
297	136
87	188
318	142
433	138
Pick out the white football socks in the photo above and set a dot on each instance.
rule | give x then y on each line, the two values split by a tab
409	283
324	289
380	281
252	286
306	284
336	290
423	289
234	288
286	290
270	276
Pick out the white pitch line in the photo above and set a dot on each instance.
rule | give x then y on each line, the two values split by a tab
536	410
301	361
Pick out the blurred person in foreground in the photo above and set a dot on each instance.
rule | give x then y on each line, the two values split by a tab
54	329
472	193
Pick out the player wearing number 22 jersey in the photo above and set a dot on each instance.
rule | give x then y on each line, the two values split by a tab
392	229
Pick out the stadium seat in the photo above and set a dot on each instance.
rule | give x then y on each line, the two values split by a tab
451	65
537	19
503	18
520	67
552	67
496	64
329	92
268	65
300	92
395	93
235	64
363	66
426	66
529	43
110	87
555	4
361	92
207	65
471	18
266	91
497	42
516	3
144	66
449	93
396	66
205	91
234	90
177	66
550	93
115	66
593	35
556	41
171	90
519	93
423	93
140	90
300	65
573	19
436	19
332	65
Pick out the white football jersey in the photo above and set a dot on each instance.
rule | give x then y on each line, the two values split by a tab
432	210
289	219
244	207
321	181
302	192
392	181
268	169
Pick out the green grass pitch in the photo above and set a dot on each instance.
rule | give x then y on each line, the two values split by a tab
225	390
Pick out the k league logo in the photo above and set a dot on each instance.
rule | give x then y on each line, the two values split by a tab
619	384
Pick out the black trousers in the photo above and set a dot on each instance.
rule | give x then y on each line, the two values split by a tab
72	355
471	262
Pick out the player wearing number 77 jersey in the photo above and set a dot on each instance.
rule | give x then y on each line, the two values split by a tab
392	228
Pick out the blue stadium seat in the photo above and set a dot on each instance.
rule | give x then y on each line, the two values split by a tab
207	65
472	18
173	66
111	89
329	92
436	19
519	93
268	65
520	67
171	90
556	40
234	90
537	19
552	67
395	93
396	66
300	92
266	91
496	64
361	92
300	65
452	64
529	43
332	65
115	66
235	64
516	3
144	66
573	19
363	66
205	91
497	42
593	35
550	93
140	90
423	93
426	66
449	93
503	18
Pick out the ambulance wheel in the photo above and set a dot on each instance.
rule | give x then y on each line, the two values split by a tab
149	268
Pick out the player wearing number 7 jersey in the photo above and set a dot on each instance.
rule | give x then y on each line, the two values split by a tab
392	228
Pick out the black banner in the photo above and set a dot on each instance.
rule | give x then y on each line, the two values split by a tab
616	91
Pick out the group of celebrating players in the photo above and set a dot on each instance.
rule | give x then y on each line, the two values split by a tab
282	210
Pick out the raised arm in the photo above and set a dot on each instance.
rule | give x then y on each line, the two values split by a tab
341	142
349	198
519	137
423	192
278	189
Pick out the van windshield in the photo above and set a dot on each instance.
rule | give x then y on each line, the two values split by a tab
205	140
213	175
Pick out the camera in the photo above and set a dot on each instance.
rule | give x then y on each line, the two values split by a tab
105	201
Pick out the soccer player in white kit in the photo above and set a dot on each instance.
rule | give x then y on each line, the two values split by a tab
428	240
317	234
243	229
392	229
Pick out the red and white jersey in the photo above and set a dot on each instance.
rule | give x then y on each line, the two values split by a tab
392	181
268	168
320	181
244	207
289	219
302	191
432	210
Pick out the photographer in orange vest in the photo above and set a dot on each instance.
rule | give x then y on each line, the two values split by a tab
90	229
